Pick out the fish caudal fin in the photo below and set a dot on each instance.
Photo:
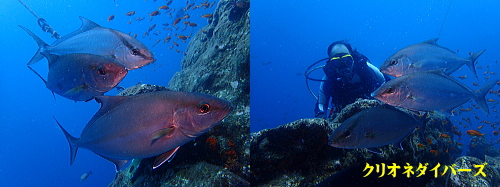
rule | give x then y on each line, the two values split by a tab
71	141
472	61
480	96
41	46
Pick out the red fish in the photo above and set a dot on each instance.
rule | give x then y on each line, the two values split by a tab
111	17
474	133
155	13
131	13
176	21
207	16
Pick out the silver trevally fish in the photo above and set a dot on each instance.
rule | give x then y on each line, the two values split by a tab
373	128
147	125
430	90
94	39
426	56
81	77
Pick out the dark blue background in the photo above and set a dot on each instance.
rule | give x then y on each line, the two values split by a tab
289	36
33	150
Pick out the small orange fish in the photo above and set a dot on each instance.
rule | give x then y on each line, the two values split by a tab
479	67
131	13
182	37
186	16
420	145
207	16
492	100
475	84
493	73
495	133
459	144
480	127
466	109
444	136
163	7
111	17
193	24
434	152
474	133
429	140
176	21
155	13
176	44
462	77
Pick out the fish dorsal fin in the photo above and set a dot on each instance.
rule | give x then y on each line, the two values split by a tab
431	41
119	164
86	26
165	157
107	103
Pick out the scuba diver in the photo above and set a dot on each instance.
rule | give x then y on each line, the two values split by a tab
349	75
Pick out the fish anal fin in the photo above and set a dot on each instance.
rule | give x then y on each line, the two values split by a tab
119	164
374	150
161	133
165	157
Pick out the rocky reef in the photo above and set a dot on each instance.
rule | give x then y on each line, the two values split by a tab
217	62
298	154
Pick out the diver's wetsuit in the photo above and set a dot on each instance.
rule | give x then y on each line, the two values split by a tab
367	78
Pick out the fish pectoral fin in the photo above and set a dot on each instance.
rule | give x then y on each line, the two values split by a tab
76	90
374	150
416	99
165	157
119	164
161	133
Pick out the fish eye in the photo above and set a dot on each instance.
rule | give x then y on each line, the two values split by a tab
204	108
346	134
135	51
389	90
393	62
101	71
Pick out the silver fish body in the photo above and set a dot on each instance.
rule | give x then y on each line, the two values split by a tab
374	127
81	77
94	39
148	124
431	90
425	56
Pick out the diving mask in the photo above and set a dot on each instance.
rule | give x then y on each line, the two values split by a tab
343	64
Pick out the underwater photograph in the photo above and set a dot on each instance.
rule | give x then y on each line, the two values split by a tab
158	93
125	93
375	93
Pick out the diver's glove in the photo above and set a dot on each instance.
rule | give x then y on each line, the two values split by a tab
320	114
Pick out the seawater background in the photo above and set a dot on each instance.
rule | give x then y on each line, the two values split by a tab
33	150
289	36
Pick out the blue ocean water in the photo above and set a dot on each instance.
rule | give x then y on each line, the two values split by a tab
289	36
33	150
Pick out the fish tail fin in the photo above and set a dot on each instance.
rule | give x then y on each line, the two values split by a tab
71	141
472	61
480	96
41	46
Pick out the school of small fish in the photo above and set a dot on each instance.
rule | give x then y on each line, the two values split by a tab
422	83
167	22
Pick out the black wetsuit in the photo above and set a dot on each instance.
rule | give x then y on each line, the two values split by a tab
362	84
